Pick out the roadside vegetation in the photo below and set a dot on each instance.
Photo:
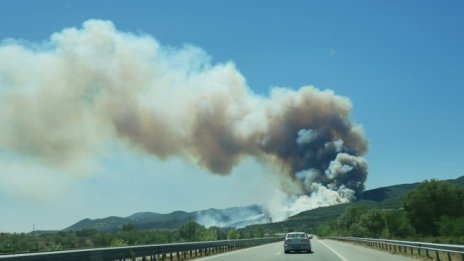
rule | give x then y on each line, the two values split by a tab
432	212
66	240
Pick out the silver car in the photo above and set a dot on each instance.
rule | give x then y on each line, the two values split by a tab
297	241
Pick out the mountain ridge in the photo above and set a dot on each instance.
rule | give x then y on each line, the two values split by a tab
388	197
228	217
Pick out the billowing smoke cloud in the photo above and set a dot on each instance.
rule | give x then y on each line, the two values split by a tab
62	100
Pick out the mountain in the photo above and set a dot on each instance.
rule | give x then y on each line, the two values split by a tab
251	216
143	216
230	217
103	224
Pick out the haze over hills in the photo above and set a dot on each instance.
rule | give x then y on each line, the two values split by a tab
238	217
230	217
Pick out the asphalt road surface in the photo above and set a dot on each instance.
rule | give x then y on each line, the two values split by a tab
323	250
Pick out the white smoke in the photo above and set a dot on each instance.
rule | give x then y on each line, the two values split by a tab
236	217
306	136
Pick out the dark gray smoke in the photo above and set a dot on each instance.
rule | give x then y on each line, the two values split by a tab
95	84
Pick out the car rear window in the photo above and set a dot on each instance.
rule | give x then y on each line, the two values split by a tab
296	235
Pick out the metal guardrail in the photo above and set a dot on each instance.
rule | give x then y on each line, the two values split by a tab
430	250
178	251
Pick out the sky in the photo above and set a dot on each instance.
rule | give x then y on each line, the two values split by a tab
400	64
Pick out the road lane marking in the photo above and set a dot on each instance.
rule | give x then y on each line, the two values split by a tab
335	252
278	253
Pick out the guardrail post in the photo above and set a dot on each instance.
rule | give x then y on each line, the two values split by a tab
437	255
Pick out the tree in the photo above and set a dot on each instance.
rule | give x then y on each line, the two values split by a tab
209	234
258	232
373	222
397	225
233	234
357	230
191	231
431	200
128	227
348	218
451	226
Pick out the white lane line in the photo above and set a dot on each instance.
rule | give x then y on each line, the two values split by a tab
335	252
278	253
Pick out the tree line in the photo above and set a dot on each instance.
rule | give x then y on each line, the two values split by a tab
435	210
128	235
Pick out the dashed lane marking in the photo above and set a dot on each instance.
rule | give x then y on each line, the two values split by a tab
335	252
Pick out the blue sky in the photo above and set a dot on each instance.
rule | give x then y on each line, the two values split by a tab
400	63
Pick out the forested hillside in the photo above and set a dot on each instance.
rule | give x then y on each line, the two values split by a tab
385	199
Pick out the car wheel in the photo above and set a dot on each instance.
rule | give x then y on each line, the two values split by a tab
286	251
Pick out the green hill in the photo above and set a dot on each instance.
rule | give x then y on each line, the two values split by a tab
383	198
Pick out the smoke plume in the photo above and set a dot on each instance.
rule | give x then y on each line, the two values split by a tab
63	99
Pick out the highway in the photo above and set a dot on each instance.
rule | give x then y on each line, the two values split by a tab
323	250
